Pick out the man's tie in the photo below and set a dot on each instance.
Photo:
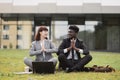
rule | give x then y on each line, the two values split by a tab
72	54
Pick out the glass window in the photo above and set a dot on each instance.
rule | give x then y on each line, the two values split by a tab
6	27
60	29
18	47
19	27
4	46
19	37
6	37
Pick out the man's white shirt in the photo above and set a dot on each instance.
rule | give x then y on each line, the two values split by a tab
75	54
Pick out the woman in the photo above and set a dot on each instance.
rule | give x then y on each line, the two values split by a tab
42	48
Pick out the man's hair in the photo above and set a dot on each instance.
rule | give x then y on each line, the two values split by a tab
74	28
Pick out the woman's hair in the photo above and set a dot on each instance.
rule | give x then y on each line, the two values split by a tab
41	28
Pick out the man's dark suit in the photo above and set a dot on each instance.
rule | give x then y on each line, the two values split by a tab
77	64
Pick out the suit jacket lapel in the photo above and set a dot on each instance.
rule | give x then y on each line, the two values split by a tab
39	43
45	43
68	43
77	43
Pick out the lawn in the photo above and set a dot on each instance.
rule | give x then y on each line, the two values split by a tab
12	61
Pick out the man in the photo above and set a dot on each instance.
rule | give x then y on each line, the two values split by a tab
69	52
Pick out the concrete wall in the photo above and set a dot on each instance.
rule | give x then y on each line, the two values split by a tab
12	37
54	8
25	32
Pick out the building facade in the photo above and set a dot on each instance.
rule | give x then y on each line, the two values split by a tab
15	34
98	20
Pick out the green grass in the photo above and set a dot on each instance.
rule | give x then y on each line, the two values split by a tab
12	61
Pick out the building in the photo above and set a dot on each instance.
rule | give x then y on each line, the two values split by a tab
98	20
15	34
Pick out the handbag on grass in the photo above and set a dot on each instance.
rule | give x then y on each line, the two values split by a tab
96	68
